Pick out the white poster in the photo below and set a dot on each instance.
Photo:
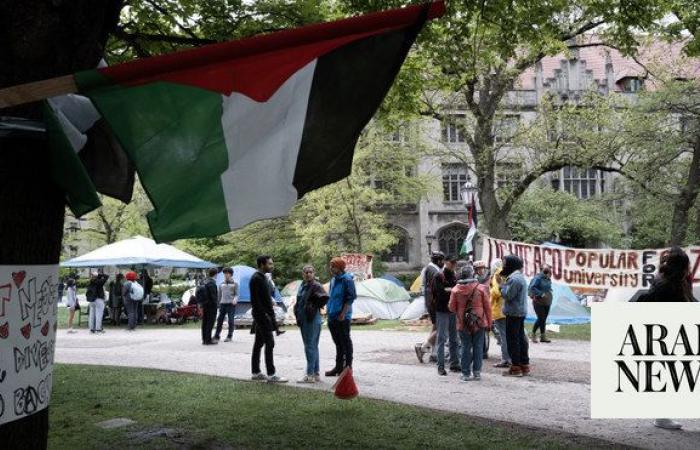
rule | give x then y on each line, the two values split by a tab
358	264
28	315
645	360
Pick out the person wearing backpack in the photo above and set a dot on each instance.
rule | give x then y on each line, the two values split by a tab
514	292
132	294
95	296
470	302
540	291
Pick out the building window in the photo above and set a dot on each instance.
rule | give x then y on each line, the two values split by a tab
399	136
399	251
506	174
631	84
506	127
73	251
451	238
452	129
453	178
583	183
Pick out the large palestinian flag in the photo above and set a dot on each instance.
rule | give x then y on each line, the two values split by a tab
231	133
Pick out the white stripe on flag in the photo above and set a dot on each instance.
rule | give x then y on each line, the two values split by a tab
263	142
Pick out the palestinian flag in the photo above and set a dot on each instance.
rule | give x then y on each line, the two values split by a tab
467	245
228	134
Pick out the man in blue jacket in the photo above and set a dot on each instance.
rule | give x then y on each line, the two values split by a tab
339	309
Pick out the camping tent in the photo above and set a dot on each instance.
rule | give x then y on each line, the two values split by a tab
393	279
417	285
415	310
381	298
138	251
241	275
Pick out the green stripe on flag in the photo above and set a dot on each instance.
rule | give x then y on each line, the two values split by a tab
173	134
67	170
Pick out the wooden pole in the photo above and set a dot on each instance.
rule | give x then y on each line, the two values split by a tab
37	90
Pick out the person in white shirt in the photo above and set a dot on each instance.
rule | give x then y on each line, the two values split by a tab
228	299
71	302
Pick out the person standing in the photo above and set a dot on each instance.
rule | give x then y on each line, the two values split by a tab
471	304
147	284
311	297
71	302
673	284
540	292
429	272
446	321
207	297
342	295
228	299
499	319
263	322
116	299
131	292
95	295
61	289
514	292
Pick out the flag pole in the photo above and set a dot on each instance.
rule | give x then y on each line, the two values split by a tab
37	90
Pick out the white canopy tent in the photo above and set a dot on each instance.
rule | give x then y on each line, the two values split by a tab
138	251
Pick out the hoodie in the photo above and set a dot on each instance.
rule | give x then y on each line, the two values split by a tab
481	305
514	292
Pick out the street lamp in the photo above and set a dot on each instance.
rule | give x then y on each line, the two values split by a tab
429	238
468	190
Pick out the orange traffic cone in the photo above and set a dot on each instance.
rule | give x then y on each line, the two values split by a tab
345	387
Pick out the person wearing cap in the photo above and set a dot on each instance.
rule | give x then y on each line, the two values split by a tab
339	309
427	276
130	304
481	272
514	292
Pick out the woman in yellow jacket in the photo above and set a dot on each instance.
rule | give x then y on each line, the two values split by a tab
499	319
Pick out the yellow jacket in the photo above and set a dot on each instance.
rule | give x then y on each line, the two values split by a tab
496	299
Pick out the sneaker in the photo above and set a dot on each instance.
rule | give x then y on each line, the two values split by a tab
419	352
211	342
465	378
667	424
526	370
455	369
502	365
442	372
71	331
228	339
258	377
215	340
280	332
276	379
92	331
534	338
544	339
317	378
307	379
101	331
477	376
432	359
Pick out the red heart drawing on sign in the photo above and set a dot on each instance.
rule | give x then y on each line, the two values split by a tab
4	330
45	329
26	331
18	277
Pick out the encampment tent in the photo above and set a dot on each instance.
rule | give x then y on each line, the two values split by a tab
381	298
138	251
393	279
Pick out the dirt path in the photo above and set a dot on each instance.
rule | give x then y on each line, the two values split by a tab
556	397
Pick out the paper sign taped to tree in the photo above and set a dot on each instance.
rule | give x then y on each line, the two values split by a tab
621	275
358	264
28	315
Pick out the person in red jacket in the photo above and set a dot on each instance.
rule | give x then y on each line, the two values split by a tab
470	302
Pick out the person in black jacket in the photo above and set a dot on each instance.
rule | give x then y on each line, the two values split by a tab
95	295
446	321
263	321
207	297
673	284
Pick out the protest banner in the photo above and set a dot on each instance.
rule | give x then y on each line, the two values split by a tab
358	264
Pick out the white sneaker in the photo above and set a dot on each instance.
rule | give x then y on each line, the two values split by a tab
667	424
258	377
308	379
71	331
276	379
317	378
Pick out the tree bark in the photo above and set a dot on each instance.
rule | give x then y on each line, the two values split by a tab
686	198
40	40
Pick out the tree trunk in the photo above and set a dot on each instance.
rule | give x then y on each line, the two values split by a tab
495	219
686	199
40	40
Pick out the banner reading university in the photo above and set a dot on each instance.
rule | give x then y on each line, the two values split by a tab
593	268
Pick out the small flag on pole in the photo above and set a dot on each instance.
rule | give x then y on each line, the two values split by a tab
467	246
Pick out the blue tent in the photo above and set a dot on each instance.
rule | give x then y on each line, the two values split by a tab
566	308
393	279
242	274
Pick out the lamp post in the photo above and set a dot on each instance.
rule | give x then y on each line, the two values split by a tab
429	238
469	189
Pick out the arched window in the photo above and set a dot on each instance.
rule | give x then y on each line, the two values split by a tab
399	251
450	239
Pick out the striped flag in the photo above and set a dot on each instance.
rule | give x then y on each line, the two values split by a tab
228	134
467	245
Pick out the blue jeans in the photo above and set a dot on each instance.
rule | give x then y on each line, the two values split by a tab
472	351
500	326
226	310
310	334
447	327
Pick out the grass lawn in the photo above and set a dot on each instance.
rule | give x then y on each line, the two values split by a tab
174	410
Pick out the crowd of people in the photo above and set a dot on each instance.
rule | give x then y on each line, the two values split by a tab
469	300
311	298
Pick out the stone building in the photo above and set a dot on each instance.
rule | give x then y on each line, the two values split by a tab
441	217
